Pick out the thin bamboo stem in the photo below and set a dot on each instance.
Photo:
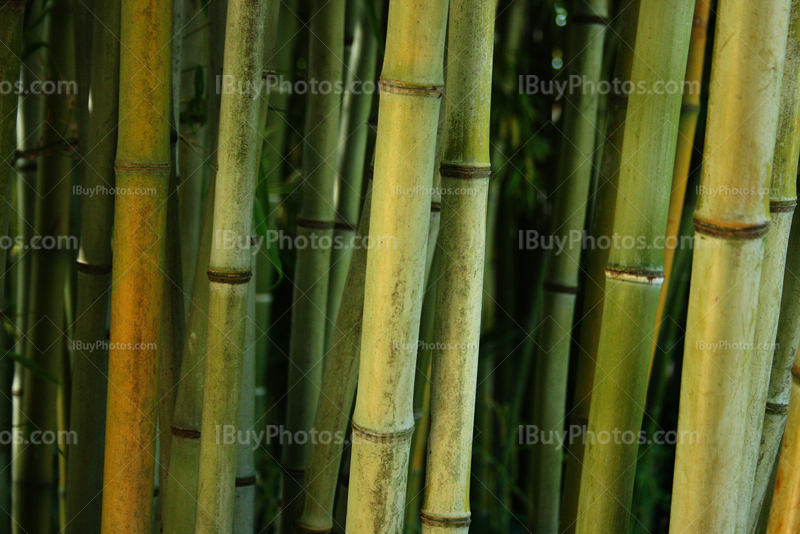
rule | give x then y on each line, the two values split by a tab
142	173
383	420
782	203
229	265
90	365
315	224
589	19
339	385
33	468
730	225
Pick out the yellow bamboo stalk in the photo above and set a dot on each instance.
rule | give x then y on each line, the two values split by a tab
142	172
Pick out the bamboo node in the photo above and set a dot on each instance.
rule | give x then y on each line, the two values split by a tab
344	225
436	520
775	408
465	172
785	206
229	277
639	276
297	474
245	481
381	436
723	231
130	167
436	206
300	529
182	432
411	89
558	288
87	268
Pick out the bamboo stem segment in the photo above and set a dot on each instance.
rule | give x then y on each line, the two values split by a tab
730	222
230	263
383	419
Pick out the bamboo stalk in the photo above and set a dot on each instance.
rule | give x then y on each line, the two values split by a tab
729	226
465	170
782	202
356	107
33	469
634	276
142	171
339	385
602	227
11	29
690	110
90	366
561	278
229	266
383	420
315	224
245	494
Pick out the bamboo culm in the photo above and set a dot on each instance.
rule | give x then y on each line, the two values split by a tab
90	367
726	267
561	279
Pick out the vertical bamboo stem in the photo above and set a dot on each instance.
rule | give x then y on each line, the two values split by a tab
602	227
230	262
33	468
465	170
634	275
315	224
730	222
142	171
782	203
383	420
90	365
589	19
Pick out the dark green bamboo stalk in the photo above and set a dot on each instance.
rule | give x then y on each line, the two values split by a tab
90	366
34	476
315	224
730	221
561	280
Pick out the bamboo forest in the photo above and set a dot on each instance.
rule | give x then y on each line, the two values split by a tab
399	267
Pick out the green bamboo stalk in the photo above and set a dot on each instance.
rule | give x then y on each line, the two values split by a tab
142	174
782	202
784	516
180	498
339	385
229	266
383	421
634	277
194	148
353	130
315	224
602	228
690	110
33	473
422	403
561	279
90	362
729	227
465	170
245	494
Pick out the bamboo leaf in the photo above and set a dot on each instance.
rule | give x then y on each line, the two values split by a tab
34	367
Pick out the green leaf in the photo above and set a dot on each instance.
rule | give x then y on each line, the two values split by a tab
35	368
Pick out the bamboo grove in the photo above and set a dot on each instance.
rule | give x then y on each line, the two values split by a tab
399	266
